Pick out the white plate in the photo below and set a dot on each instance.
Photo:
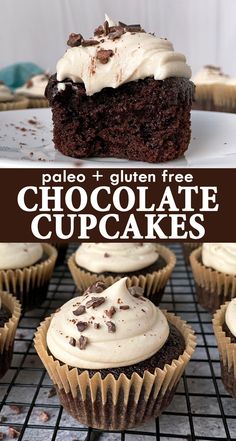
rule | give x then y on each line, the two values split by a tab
26	141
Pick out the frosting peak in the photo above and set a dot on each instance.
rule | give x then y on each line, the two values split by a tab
117	55
230	317
115	257
107	329
220	257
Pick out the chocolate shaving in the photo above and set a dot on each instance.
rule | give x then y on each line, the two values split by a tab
82	342
99	31
86	43
74	40
79	311
44	416
110	312
81	326
123	25
134	28
136	291
72	341
95	302
96	325
96	288
111	326
115	32
124	307
106	27
12	432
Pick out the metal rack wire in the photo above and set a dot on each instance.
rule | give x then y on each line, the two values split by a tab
201	409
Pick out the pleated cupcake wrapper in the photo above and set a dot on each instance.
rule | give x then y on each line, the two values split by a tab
227	350
225	96
204	92
149	387
8	331
215	282
17	104
151	283
34	103
22	281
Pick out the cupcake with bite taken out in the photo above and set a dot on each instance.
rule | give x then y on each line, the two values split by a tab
144	264
214	270
114	357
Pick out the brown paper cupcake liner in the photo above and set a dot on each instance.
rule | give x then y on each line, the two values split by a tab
30	284
8	331
17	104
34	103
225	97
111	403
213	288
227	351
153	284
204	96
187	248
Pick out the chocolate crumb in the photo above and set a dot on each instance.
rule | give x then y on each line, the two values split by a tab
16	409
81	326
104	55
124	307
80	310
52	392
136	291
72	341
12	432
143	310
86	43
32	121
110	312
29	84
82	342
44	416
115	32
96	325
74	40
99	31
95	302
106	27
96	288
111	326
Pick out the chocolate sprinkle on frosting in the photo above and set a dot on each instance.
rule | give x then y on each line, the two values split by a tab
96	288
82	342
72	341
124	307
80	310
136	291
111	326
75	40
95	301
86	43
110	312
81	326
96	325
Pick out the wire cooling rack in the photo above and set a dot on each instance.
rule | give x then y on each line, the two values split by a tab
201	409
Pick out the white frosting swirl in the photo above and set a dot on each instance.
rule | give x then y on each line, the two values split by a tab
230	316
210	74
115	257
140	331
19	255
220	257
135	56
5	93
35	87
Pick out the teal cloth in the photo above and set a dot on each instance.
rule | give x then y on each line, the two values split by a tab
18	74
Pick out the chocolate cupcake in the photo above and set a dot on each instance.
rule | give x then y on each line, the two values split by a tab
34	90
10	311
114	357
207	81
25	271
146	265
224	324
123	94
214	270
10	101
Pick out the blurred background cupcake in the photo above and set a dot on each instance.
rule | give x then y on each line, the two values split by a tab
224	324
34	90
214	270
225	96
206	80
10	311
146	265
9	100
115	358
25	271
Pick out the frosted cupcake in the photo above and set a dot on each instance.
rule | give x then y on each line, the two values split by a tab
115	358
224	324
34	90
225	96
9	101
214	270
144	264
206	81
9	317
25	271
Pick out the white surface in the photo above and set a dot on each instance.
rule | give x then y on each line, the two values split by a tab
203	30
23	144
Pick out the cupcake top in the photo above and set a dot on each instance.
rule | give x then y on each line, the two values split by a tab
115	257
19	255
210	74
119	54
230	317
220	256
107	328
35	86
5	93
